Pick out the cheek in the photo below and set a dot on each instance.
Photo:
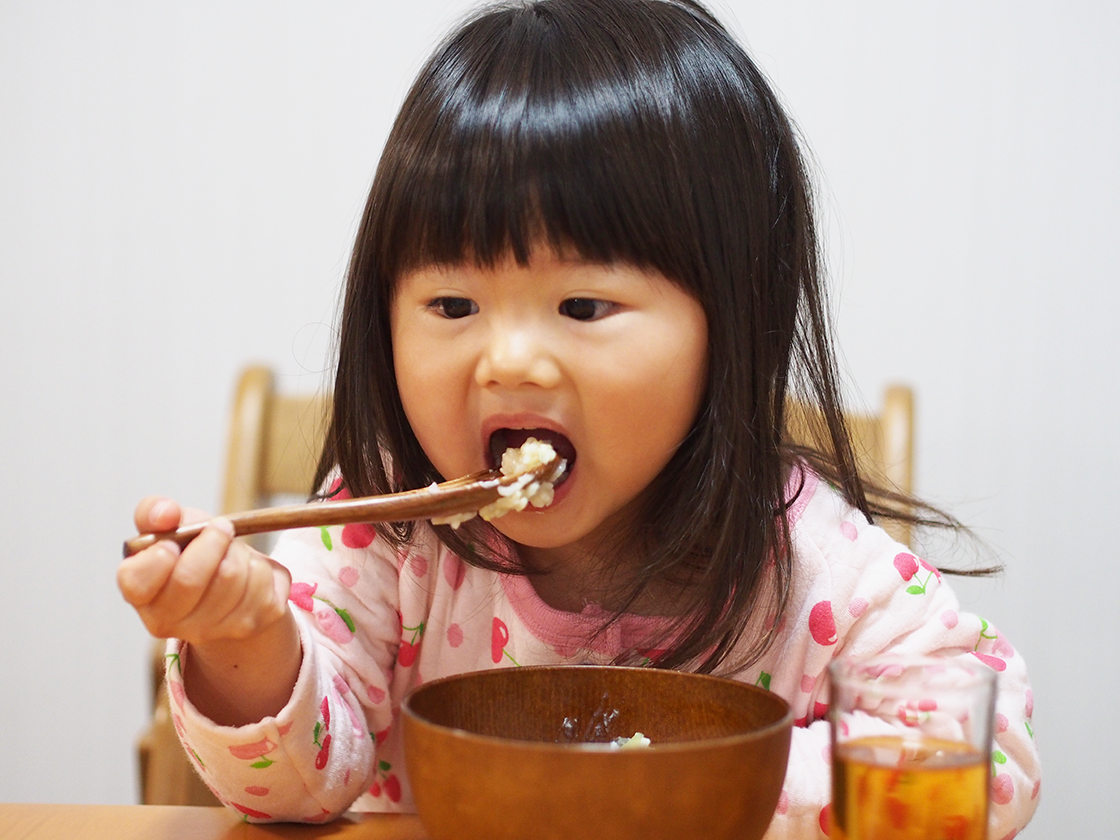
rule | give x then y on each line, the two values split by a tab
418	389
652	407
436	404
676	380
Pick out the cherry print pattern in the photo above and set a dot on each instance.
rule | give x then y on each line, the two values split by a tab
301	595
410	646
322	816
454	570
334	621
386	782
250	812
650	656
256	750
499	638
783	803
343	690
1003	789
907	565
993	662
178	693
358	535
822	624
321	735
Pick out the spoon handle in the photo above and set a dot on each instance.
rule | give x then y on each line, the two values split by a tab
460	495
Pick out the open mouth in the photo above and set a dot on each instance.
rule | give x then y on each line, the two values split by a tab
504	439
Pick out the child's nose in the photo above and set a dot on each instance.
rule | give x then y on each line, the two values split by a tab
518	355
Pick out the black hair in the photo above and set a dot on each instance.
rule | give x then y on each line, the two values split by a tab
635	131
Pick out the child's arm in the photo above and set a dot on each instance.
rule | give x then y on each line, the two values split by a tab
225	600
295	746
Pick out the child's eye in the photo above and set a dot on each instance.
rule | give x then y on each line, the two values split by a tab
585	309
453	307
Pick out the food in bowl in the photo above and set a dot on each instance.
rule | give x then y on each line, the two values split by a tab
635	741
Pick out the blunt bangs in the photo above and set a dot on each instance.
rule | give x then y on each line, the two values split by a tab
530	127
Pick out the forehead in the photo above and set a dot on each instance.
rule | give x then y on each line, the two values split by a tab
545	270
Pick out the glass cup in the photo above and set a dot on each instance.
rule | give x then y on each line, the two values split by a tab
911	740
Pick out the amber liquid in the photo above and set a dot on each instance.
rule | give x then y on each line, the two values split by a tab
889	788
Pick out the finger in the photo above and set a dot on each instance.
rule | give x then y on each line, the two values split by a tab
156	513
281	581
222	597
193	515
260	601
258	607
141	576
192	574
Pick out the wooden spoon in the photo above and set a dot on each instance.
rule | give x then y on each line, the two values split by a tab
458	496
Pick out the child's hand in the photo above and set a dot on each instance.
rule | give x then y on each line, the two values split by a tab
213	590
229	602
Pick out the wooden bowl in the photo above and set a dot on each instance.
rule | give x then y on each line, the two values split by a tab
525	753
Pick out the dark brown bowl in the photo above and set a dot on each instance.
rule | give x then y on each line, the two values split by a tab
524	753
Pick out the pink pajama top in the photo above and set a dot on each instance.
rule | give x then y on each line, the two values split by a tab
375	622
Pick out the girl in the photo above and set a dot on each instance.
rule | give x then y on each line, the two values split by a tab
591	224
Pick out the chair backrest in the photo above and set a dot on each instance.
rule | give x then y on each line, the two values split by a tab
274	441
883	444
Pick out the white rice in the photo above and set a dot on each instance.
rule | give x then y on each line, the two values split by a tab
523	492
635	741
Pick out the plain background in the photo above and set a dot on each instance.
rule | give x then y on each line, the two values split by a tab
179	188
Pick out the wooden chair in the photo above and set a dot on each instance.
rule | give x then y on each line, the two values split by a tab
883	444
274	441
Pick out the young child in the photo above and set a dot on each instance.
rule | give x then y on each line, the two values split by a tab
591	224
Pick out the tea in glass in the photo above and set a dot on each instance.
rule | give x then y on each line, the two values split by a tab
910	749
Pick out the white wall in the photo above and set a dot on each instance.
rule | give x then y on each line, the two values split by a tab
179	185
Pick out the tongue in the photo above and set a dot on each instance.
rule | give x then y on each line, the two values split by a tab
504	439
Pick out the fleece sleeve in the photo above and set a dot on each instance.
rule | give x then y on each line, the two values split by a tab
318	754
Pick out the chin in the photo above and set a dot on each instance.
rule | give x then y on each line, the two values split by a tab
533	529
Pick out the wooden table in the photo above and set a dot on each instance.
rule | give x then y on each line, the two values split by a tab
172	822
